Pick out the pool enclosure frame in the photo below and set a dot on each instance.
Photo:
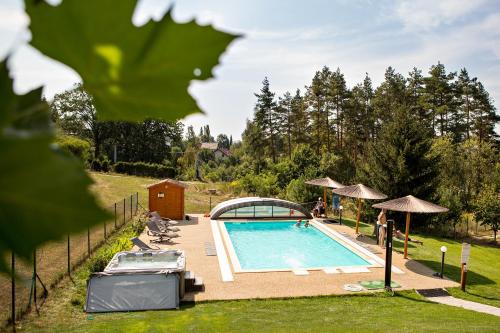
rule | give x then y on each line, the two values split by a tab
235	204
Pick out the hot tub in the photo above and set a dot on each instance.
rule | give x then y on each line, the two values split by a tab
152	260
132	281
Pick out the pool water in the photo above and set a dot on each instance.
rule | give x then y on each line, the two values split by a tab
282	245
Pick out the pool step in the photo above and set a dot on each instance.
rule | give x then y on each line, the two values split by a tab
193	283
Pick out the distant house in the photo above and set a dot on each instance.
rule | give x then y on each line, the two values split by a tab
219	152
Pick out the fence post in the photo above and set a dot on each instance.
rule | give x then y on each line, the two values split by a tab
69	258
136	202
34	277
124	203
115	216
13	277
131	199
105	234
88	240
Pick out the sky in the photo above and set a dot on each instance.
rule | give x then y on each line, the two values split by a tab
288	41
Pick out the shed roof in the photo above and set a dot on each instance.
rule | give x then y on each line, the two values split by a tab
170	181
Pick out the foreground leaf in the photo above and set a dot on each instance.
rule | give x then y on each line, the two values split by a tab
132	72
43	192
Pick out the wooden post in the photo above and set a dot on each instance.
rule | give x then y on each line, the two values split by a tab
358	216
13	291
69	258
88	241
406	234
463	276
124	204
115	217
324	198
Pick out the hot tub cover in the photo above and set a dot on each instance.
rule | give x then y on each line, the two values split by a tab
132	292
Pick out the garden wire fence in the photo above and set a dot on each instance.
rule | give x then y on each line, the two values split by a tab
26	288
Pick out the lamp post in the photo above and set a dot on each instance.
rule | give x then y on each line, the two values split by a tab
443	252
212	191
340	214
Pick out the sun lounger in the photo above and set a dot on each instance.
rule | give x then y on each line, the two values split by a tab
141	245
161	236
165	226
155	215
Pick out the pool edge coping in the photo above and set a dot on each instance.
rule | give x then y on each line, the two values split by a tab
347	243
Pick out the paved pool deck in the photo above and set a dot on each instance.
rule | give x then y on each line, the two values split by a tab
195	233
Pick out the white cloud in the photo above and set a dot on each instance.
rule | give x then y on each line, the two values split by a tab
424	15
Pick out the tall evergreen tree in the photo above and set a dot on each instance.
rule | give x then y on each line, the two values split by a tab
285	119
484	115
389	97
317	100
265	117
338	94
300	120
398	162
439	97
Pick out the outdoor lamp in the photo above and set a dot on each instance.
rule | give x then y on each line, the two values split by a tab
443	251
340	214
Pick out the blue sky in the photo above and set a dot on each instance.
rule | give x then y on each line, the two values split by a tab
289	40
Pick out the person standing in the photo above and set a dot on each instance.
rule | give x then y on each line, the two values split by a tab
382	226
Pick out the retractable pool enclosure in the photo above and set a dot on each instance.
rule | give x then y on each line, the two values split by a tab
257	207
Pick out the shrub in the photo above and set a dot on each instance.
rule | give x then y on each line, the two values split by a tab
75	146
145	169
102	164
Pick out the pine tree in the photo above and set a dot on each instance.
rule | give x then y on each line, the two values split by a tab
415	92
285	119
484	115
389	96
317	100
398	162
300	120
337	92
265	117
439	97
464	93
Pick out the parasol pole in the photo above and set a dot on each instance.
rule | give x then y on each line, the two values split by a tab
406	234
324	197
358	216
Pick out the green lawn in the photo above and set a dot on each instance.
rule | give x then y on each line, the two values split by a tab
406	311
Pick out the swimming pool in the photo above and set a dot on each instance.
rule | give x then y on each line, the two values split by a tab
273	245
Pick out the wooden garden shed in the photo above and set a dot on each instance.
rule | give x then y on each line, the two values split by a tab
167	198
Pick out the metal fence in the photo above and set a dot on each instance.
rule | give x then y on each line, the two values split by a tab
29	283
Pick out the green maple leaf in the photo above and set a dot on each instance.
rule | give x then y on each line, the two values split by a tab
132	72
43	192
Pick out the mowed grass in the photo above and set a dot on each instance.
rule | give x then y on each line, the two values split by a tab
404	312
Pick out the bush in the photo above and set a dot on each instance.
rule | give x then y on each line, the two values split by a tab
145	169
75	146
102	164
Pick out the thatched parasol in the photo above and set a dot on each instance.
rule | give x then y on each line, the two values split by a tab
360	191
410	204
325	183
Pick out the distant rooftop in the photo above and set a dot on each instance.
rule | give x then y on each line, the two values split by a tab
209	145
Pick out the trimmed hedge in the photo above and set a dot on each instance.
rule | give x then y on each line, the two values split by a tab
145	169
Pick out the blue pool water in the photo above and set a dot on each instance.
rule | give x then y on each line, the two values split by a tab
282	245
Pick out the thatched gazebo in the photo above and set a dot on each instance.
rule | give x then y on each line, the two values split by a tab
410	204
326	182
359	192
